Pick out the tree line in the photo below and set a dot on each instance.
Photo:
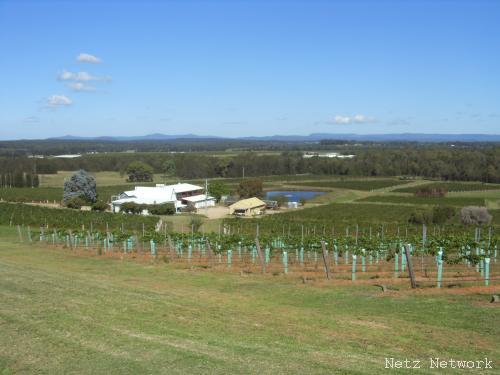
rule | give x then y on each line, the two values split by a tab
439	162
19	178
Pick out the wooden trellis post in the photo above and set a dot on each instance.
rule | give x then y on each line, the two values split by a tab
325	260
209	252
410	267
259	252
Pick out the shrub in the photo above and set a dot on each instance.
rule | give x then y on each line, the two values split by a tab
160	209
441	214
475	215
100	206
420	217
153	209
436	215
195	222
281	200
75	203
131	208
189	208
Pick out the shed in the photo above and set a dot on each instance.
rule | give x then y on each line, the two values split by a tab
248	207
199	201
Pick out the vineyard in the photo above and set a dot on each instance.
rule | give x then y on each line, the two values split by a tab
450	187
53	194
23	214
364	184
435	259
450	201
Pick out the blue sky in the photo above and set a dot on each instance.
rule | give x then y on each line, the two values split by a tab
240	68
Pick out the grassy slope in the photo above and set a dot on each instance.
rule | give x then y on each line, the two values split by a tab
62	313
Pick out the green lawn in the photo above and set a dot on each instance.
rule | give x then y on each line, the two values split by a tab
65	313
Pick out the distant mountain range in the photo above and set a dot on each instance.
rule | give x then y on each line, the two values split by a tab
407	137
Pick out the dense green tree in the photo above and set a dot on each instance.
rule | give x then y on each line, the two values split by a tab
139	171
81	185
169	167
217	189
250	187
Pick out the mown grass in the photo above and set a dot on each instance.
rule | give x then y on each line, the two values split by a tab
363	184
66	313
451	187
413	200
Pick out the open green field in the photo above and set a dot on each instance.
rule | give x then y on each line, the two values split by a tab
65	312
102	179
451	187
115	178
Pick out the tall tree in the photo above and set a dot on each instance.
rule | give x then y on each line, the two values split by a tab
139	171
250	187
80	185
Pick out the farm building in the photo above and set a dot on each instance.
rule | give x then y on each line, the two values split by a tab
247	207
181	195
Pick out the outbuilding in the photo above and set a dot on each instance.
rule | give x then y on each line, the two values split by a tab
199	201
248	207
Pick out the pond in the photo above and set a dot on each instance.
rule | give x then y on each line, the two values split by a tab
293	195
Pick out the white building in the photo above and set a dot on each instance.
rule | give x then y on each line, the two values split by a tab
181	195
330	155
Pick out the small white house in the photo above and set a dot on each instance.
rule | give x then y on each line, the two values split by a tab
181	195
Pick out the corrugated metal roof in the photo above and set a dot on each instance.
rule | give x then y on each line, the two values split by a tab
156	194
245	204
198	198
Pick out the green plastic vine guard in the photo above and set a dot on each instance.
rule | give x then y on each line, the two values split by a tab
285	261
486	271
440	268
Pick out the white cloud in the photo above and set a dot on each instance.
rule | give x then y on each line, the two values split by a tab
78	86
88	58
55	101
81	77
348	120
